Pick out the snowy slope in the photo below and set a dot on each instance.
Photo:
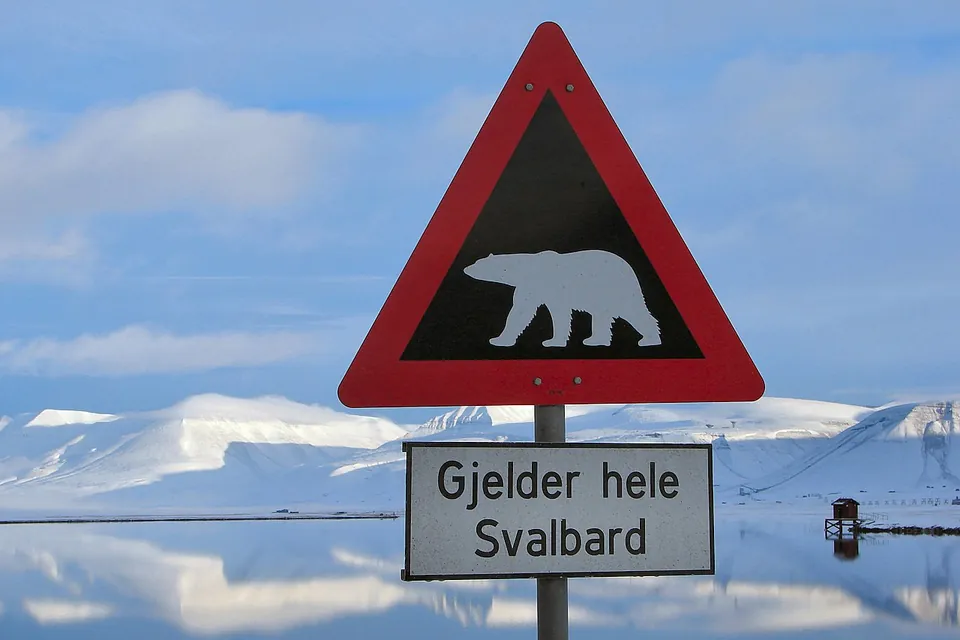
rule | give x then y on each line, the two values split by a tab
59	418
226	453
900	448
247	439
749	439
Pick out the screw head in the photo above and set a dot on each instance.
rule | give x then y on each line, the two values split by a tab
569	88
528	86
537	381
577	380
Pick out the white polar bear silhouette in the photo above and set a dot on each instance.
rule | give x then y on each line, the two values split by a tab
597	282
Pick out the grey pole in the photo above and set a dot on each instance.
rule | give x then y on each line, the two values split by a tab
549	426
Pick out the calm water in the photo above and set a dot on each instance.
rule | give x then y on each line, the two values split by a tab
341	579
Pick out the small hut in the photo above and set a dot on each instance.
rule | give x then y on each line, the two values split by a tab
846	509
845	521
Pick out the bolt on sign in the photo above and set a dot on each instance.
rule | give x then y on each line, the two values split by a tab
521	510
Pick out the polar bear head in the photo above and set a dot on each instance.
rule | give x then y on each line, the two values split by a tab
505	269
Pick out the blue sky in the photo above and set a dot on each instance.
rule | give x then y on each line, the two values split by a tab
218	196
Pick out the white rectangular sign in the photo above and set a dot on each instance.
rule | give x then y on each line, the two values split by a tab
524	510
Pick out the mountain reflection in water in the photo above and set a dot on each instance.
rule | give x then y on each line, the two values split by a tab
294	579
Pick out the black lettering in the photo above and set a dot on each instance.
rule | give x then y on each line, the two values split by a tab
541	542
532	475
552	480
653	479
671	478
510	479
635	481
606	481
492	480
594	545
457	480
564	533
570	476
495	546
613	537
514	545
637	531
553	536
473	490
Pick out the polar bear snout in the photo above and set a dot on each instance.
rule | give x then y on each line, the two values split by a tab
493	268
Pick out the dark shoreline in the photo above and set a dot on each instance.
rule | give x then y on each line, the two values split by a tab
912	531
339	515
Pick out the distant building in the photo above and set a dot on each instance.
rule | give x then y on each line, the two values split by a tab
844	524
846	509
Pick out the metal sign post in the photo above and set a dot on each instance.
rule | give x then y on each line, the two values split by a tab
549	426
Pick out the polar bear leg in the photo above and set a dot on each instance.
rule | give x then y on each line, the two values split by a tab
561	326
602	334
649	334
521	315
643	321
648	328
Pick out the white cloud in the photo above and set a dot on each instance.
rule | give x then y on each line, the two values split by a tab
68	245
174	151
861	117
137	349
432	142
833	149
855	119
65	611
458	116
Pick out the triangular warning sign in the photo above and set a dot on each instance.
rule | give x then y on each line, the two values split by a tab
550	272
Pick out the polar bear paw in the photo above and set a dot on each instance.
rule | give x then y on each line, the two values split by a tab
650	341
501	341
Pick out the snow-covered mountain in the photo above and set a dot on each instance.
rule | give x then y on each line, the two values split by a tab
213	452
208	450
900	448
766	435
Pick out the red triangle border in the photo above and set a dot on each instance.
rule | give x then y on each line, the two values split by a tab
378	378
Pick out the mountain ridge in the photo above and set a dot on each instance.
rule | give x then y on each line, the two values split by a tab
218	451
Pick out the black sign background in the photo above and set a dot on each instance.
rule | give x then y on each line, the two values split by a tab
550	196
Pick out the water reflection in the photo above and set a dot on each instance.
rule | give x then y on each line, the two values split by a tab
846	548
286	578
